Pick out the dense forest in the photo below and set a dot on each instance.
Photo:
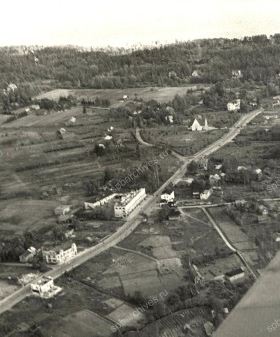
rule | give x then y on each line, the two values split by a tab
252	60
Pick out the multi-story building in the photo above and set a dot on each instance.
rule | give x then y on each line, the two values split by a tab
60	254
99	203
128	202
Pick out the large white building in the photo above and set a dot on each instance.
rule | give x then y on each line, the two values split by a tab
128	202
60	255
89	205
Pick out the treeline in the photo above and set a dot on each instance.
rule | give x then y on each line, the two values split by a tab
203	61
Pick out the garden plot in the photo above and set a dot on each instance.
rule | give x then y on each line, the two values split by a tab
123	315
161	246
236	236
6	289
84	323
172	325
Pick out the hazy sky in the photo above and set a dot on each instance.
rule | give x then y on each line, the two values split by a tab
126	22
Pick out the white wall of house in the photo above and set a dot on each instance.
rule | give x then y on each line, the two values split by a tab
53	257
44	286
168	197
205	195
89	205
124	208
196	126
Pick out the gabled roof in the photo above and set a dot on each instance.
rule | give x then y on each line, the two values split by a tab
193	121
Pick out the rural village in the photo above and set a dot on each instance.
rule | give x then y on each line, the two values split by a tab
136	206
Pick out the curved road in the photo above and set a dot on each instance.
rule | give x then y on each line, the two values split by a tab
133	221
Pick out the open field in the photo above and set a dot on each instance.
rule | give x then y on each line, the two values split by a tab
236	236
54	119
123	311
23	215
115	95
84	323
180	138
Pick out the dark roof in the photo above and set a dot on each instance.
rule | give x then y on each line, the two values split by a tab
64	246
26	254
234	272
192	121
201	121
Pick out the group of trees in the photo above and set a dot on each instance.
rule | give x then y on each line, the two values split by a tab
10	250
96	102
170	65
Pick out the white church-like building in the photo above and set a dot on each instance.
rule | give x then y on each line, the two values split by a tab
196	126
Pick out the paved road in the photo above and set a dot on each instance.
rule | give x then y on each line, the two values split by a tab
133	221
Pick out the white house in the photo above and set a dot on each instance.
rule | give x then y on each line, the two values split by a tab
234	106
35	107
62	209
44	288
263	210
169	119
195	73
168	197
189	181
72	120
196	126
241	168
11	87
28	255
236	73
60	255
128	202
258	171
205	194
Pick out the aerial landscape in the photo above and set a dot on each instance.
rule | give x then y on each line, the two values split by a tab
140	172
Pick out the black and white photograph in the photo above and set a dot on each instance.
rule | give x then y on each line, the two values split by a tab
140	168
